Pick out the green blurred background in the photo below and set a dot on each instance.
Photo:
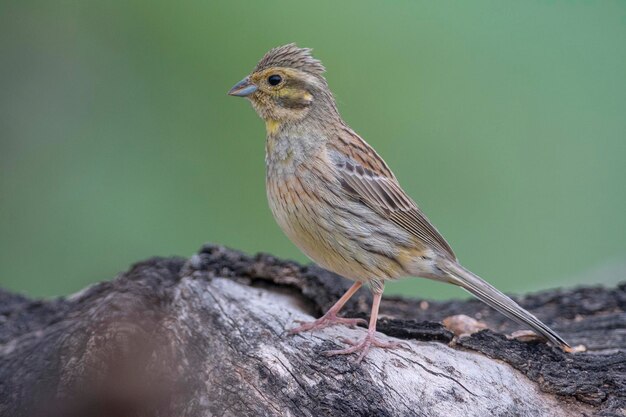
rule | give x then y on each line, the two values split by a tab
505	120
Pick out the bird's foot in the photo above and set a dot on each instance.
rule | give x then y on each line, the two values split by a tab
363	346
327	320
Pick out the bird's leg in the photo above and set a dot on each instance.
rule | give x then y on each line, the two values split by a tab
363	346
330	318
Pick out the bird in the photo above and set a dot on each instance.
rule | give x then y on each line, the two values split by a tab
339	202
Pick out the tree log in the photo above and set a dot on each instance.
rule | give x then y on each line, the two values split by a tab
206	336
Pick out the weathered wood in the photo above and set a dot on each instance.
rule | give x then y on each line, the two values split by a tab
206	337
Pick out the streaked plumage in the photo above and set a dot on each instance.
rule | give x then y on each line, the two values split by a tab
339	202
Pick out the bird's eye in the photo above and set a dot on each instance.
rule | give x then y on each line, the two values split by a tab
274	79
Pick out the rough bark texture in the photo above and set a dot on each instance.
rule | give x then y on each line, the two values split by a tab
206	337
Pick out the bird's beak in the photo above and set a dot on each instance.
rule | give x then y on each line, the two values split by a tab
243	88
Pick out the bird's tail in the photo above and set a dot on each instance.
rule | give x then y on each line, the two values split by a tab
496	299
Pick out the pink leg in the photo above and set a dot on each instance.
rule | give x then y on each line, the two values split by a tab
330	318
369	340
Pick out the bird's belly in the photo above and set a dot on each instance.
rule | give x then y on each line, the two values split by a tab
342	236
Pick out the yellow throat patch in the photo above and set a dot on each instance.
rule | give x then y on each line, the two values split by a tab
272	126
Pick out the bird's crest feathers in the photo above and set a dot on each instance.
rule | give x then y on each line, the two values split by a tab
291	56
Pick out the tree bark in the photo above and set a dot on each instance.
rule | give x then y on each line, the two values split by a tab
206	336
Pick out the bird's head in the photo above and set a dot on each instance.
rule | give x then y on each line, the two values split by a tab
286	86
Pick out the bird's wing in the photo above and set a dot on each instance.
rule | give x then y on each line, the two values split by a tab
381	192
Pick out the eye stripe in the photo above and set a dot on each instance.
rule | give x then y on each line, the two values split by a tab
297	101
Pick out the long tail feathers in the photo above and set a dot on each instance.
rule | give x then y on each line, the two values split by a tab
496	299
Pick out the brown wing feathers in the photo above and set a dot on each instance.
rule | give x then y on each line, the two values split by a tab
381	192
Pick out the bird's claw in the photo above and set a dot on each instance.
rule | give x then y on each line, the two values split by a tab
363	346
325	321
